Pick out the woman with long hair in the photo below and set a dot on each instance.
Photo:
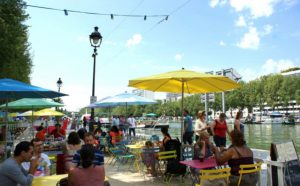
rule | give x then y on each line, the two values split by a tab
200	124
238	125
87	173
167	137
238	154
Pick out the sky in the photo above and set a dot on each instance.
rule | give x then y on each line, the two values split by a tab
255	37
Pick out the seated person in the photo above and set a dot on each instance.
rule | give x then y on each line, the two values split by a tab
58	132
167	137
81	132
87	173
43	167
115	134
238	154
202	148
72	145
99	133
100	138
41	133
99	158
148	156
11	171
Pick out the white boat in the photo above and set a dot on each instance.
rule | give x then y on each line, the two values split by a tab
274	118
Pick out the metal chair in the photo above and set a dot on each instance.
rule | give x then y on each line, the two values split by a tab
212	175
249	169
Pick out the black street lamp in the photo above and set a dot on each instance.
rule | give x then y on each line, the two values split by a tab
59	84
95	40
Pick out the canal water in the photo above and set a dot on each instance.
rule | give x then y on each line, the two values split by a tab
258	136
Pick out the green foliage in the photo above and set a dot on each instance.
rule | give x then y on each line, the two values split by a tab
15	59
290	69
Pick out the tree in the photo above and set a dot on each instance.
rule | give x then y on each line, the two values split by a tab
15	61
273	84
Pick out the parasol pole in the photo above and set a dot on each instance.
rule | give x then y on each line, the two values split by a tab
182	121
6	129
32	129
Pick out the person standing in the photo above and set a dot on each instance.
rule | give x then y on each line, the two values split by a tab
116	121
219	129
132	124
238	125
84	121
11	171
43	167
187	128
200	125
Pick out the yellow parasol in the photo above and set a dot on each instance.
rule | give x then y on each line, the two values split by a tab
47	112
184	81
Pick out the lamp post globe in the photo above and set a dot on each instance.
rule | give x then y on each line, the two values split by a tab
95	40
59	84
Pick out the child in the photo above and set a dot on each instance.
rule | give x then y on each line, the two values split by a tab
148	156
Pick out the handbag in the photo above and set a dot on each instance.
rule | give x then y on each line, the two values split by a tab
209	131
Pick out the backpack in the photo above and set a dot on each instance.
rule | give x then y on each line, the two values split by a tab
174	145
174	167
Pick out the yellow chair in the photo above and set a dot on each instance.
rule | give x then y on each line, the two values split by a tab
163	157
213	174
249	169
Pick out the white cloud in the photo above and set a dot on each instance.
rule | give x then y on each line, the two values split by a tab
249	74
272	66
221	43
134	40
257	8
250	39
267	30
240	22
178	57
214	3
269	67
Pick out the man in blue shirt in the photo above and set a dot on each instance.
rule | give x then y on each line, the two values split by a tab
99	158
187	128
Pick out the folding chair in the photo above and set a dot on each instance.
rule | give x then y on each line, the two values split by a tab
249	169
121	157
211	176
163	157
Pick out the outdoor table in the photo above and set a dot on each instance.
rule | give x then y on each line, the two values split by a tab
48	180
206	164
136	150
134	146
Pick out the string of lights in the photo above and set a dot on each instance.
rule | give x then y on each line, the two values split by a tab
111	15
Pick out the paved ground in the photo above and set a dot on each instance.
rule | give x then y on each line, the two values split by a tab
130	177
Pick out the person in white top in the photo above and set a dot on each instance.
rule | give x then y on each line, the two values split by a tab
116	121
132	125
200	125
43	167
